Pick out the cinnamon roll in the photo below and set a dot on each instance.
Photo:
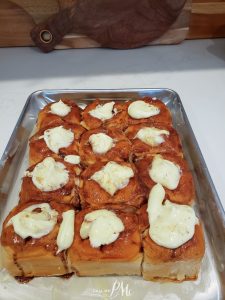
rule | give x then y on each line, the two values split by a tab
32	239
107	242
104	144
171	171
51	180
173	243
63	110
150	138
147	110
104	113
58	140
113	184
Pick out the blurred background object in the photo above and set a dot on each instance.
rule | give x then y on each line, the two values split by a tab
199	19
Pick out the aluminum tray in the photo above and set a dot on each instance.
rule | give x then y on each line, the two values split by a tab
211	282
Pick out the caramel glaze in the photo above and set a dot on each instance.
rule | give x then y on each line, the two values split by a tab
120	151
18	266
139	148
46	118
126	247
39	150
63	258
93	195
192	249
184	193
23	279
119	120
47	242
163	117
67	276
67	194
143	218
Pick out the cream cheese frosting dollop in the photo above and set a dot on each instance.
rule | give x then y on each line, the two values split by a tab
102	227
60	109
66	231
171	225
49	175
34	221
72	159
165	172
152	136
113	177
100	143
57	138
140	109
103	111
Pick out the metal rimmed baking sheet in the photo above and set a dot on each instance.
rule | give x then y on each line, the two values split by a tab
211	282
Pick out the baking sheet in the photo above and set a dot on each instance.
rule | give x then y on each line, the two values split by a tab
211	282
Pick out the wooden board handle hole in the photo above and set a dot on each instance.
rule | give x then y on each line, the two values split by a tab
46	36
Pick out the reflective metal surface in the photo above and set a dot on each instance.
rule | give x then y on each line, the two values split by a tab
211	282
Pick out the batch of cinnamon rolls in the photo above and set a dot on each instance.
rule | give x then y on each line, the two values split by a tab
107	192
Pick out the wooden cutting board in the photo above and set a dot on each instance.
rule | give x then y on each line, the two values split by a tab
207	19
18	17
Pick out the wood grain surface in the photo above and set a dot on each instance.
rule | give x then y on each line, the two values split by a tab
15	24
18	17
111	23
207	19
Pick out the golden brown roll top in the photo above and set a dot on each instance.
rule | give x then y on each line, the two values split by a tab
104	114
64	110
153	138
58	140
172	238
111	184
51	179
106	242
104	144
171	171
192	249
147	110
125	247
32	239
